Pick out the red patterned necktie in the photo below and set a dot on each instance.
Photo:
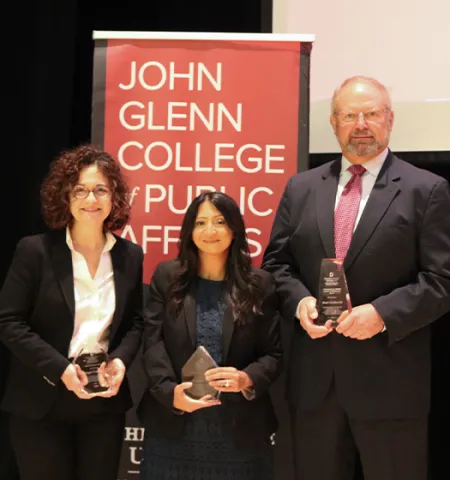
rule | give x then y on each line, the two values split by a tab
347	211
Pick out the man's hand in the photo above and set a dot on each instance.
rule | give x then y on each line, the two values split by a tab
361	323
307	314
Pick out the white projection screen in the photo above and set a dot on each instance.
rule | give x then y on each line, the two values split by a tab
405	44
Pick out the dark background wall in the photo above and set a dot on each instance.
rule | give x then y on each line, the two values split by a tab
47	72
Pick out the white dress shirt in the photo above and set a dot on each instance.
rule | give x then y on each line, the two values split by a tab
369	177
95	300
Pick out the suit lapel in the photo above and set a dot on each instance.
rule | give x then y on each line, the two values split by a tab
325	200
227	332
384	191
63	268
190	314
120	287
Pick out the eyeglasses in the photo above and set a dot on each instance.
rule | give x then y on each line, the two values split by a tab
100	191
372	116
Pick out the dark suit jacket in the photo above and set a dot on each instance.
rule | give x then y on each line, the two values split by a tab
37	318
254	347
399	260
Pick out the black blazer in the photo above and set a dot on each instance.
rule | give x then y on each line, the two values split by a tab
37	319
399	260
254	347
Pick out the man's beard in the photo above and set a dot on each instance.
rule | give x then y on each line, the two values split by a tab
362	149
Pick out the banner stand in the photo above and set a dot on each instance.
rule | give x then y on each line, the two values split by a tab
185	113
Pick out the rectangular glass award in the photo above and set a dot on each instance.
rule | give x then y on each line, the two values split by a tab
194	371
333	298
92	362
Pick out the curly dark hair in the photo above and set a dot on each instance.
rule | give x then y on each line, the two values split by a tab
63	176
243	290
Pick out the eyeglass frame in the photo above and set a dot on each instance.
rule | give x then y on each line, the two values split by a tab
364	114
91	190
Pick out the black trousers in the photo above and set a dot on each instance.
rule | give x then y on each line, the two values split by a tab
74	442
326	443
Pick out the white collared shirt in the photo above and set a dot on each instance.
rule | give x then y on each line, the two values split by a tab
369	177
95	299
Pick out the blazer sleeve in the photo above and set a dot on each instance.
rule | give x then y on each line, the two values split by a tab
417	304
129	345
157	364
269	361
16	305
278	259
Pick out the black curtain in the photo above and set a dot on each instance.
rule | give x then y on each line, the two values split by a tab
47	67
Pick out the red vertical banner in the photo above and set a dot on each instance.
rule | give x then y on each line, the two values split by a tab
183	116
188	113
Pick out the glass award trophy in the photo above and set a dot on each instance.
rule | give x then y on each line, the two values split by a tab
333	298
194	371
92	362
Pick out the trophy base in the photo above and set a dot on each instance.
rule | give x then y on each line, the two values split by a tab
322	320
92	389
201	388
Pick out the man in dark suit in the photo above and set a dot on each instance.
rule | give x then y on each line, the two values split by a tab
365	385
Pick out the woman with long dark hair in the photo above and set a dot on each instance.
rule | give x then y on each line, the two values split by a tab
210	296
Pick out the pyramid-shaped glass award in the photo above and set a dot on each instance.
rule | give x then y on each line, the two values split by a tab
194	371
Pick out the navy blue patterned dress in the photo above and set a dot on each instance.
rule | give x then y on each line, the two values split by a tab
206	450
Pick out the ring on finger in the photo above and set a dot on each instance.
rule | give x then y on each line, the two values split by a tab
227	383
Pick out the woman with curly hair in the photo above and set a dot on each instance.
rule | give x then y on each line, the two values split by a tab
210	296
73	291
